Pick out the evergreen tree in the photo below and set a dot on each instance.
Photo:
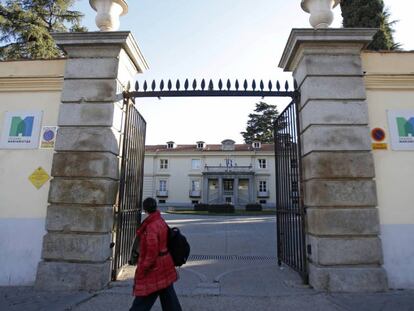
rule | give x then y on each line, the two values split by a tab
260	124
370	14
25	27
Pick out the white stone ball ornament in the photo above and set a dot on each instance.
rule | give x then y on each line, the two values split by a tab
108	13
321	15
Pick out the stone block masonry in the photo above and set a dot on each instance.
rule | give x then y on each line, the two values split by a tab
76	249
344	249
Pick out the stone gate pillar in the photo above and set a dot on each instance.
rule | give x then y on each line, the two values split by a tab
342	225
76	249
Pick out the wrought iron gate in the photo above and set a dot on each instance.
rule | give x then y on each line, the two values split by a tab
290	210
128	207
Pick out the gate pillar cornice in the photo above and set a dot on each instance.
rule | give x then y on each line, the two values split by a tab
77	252
342	222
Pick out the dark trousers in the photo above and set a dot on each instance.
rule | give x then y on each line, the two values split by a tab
168	298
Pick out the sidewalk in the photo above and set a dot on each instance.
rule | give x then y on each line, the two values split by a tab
202	287
233	268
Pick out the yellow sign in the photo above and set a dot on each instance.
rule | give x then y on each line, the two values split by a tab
379	146
39	177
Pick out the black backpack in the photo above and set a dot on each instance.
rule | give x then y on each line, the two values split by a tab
178	246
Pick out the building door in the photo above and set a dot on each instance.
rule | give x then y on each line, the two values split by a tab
228	191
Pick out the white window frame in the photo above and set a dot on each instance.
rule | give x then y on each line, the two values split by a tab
262	163
257	145
193	183
262	185
193	161
164	164
162	185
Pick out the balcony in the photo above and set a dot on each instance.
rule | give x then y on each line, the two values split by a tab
227	169
162	193
195	194
263	194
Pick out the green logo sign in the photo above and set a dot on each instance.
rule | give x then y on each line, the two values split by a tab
21	127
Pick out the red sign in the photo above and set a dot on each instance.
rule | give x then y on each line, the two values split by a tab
378	134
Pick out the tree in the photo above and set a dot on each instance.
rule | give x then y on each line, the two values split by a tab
370	14
260	124
25	27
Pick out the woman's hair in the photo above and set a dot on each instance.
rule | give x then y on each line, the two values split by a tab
149	205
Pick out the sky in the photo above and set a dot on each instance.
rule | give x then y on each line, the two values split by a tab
218	39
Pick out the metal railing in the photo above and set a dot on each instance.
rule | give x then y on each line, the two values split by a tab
227	169
128	207
290	211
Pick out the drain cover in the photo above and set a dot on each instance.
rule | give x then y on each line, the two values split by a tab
231	257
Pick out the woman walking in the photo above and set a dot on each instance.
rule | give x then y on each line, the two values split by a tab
155	273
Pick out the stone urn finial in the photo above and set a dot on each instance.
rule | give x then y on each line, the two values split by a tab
321	15
108	13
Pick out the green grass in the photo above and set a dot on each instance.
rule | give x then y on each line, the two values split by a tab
236	213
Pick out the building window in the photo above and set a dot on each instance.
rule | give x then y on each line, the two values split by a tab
200	145
194	202
163	185
262	163
262	186
195	164
262	201
256	145
161	201
170	145
195	185
163	164
228	185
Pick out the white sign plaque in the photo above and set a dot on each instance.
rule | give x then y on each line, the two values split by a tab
21	130
401	123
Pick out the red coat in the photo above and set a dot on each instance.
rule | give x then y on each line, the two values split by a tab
154	270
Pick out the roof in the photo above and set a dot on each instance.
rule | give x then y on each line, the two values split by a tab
207	148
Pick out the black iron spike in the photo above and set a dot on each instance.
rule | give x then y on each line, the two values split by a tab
169	85
261	85
153	85
228	84
145	86
277	85
136	86
237	85
162	85
220	84
295	84
287	86
270	85
203	84
177	85
211	85
245	85
194	84
254	85
186	84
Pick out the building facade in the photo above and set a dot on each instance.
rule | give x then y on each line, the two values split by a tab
184	175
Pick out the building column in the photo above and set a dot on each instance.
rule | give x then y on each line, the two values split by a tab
205	190
344	249
252	189
76	249
236	191
220	194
